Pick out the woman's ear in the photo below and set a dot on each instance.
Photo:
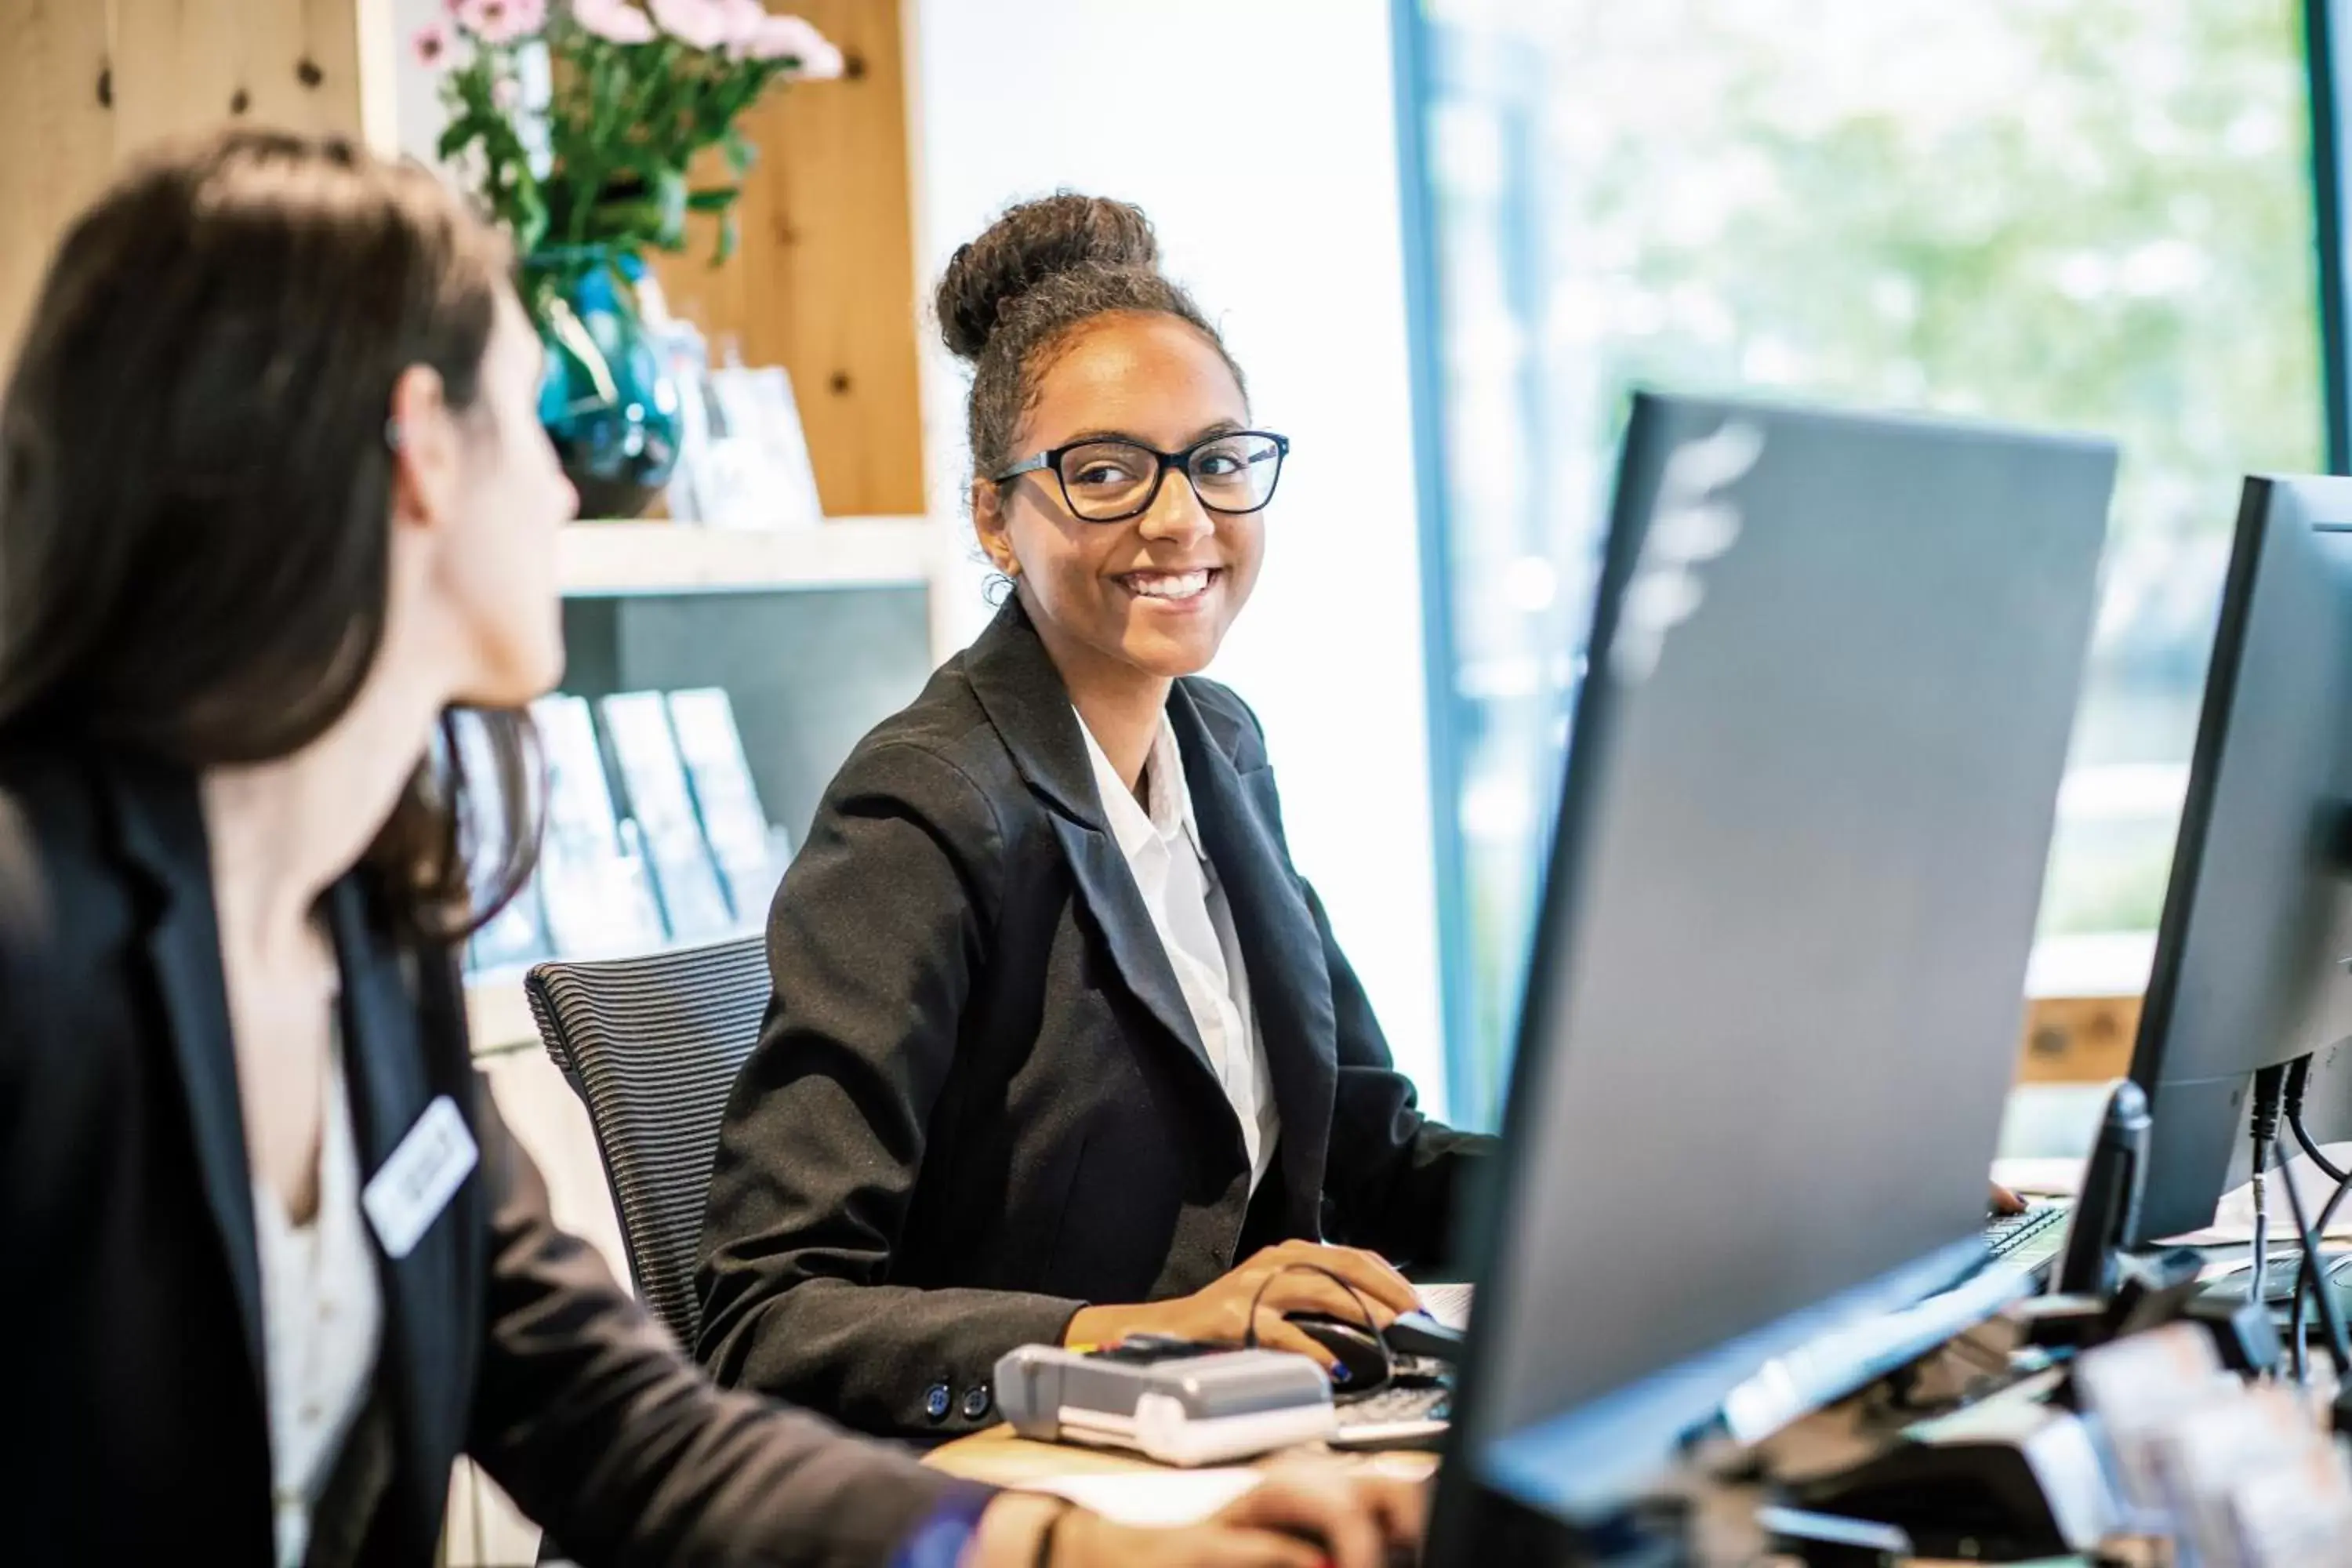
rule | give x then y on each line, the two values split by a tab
989	522
423	436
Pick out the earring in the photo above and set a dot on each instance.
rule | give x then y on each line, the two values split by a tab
392	436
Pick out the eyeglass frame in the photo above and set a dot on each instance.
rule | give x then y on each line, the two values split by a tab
1050	460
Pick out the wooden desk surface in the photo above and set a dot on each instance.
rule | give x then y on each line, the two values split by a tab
1000	1458
997	1458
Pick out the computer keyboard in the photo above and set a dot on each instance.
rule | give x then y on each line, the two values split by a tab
2030	1240
1402	1416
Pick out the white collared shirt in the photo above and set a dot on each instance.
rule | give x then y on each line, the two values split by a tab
321	1320
1188	909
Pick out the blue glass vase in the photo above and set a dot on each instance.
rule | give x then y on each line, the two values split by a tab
608	401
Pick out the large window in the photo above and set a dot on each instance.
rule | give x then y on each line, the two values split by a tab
2088	214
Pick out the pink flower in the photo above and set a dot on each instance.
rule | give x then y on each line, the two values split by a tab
614	21
744	19
500	22
697	24
432	45
794	38
505	94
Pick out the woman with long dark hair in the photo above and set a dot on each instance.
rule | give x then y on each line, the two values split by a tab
274	500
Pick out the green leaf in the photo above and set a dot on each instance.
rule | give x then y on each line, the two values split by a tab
670	200
716	199
740	153
615	220
531	217
730	235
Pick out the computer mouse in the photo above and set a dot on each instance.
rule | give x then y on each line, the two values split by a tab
1420	1334
1363	1361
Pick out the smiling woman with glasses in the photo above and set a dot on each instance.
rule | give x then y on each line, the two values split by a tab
1061	1048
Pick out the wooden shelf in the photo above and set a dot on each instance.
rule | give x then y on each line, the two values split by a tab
497	1017
610	559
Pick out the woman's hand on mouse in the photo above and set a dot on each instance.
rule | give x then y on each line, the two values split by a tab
1303	1516
1293	1277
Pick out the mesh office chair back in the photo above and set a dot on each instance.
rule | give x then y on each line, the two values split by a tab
652	1047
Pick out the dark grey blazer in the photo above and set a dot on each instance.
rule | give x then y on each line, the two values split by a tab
977	1102
132	1312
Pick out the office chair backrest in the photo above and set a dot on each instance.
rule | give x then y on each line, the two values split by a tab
652	1046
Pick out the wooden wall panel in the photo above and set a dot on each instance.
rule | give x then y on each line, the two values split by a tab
2077	1039
824	284
57	137
85	84
178	64
182	65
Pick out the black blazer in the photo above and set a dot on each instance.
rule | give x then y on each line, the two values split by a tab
134	1393
979	1103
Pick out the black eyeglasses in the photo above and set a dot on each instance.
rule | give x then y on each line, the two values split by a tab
1104	479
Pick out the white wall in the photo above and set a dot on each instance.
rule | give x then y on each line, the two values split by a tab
416	97
1260	136
1262	139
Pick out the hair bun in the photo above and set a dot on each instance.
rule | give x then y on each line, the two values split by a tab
1027	244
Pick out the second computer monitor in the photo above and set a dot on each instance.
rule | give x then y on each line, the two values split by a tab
1774	1007
2249	968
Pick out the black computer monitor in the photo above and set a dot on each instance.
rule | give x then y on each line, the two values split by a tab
2249	968
1773	1004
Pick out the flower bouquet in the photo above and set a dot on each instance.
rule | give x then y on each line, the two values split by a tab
579	126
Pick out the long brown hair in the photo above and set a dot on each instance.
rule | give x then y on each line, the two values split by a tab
196	480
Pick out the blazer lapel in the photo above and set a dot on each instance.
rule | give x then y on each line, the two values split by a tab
1289	979
384	1066
1022	692
160	821
1108	889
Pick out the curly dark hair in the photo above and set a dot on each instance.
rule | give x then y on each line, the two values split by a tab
1014	296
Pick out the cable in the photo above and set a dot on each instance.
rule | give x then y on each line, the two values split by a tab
2298	1077
2327	1215
2266	1130
2312	1279
2298	1074
2311	1152
2298	1346
2319	1233
1372	1324
2255	1282
2310	1274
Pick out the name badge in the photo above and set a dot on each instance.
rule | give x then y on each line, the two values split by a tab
408	1194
